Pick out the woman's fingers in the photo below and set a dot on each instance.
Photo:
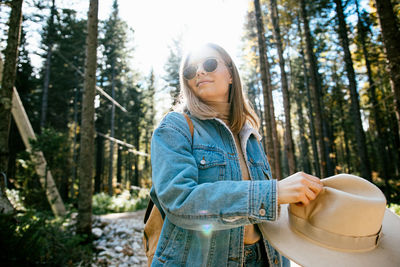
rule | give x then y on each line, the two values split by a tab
315	187
312	178
299	188
310	194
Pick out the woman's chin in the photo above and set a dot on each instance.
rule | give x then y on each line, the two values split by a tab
205	95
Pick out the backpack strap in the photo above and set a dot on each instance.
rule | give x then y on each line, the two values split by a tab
148	210
151	203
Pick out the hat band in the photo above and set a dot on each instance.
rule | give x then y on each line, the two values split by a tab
333	240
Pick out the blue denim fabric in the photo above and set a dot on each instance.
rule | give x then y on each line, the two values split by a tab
255	255
199	188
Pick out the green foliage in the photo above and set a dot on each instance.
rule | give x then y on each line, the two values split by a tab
68	37
53	144
55	147
103	203
395	208
27	182
15	199
172	69
31	239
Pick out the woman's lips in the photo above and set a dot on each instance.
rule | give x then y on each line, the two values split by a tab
203	83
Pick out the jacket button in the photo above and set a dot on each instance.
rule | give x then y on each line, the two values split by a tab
276	261
202	162
262	212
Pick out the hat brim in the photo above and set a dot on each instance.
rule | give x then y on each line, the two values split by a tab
307	253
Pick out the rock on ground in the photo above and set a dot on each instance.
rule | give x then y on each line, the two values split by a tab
119	239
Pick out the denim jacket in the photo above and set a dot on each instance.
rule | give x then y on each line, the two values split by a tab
199	188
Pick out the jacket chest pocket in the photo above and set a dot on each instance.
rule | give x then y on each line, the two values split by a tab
211	163
260	167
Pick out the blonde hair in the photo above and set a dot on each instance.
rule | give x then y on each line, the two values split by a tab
241	110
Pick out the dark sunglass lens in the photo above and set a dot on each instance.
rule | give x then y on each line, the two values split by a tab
210	64
189	72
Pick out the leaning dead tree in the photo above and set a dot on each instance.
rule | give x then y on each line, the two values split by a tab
46	179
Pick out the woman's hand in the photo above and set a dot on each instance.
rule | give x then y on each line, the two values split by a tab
299	188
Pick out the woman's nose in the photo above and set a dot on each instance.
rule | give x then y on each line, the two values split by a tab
200	70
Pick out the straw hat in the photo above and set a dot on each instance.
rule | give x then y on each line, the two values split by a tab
346	225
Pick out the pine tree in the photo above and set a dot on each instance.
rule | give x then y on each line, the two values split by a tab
84	222
309	104
315	85
172	69
149	121
391	37
355	105
6	91
250	69
289	147
51	35
273	143
116	80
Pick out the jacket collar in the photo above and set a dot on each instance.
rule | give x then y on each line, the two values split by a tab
245	132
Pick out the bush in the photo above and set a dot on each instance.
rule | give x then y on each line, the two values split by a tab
28	184
56	150
31	238
103	203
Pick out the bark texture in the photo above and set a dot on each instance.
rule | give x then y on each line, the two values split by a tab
361	148
273	145
315	85
6	90
86	166
289	147
391	39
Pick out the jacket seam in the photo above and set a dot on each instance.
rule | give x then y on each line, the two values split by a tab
178	130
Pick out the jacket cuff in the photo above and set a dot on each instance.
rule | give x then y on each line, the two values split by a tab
263	200
278	207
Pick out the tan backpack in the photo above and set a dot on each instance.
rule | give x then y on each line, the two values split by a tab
153	220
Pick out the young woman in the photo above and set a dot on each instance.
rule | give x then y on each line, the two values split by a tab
215	187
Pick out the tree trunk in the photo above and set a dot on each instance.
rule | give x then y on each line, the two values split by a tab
396	142
298	94
376	113
273	145
391	39
110	169
316	90
6	91
130	169
361	150
305	161
309	107
289	147
74	149
119	165
337	94
99	163
84	222
135	176
126	169
262	121
137	146
46	80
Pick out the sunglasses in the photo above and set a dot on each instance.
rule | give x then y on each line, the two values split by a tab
209	65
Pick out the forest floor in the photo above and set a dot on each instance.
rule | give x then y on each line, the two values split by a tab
119	239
